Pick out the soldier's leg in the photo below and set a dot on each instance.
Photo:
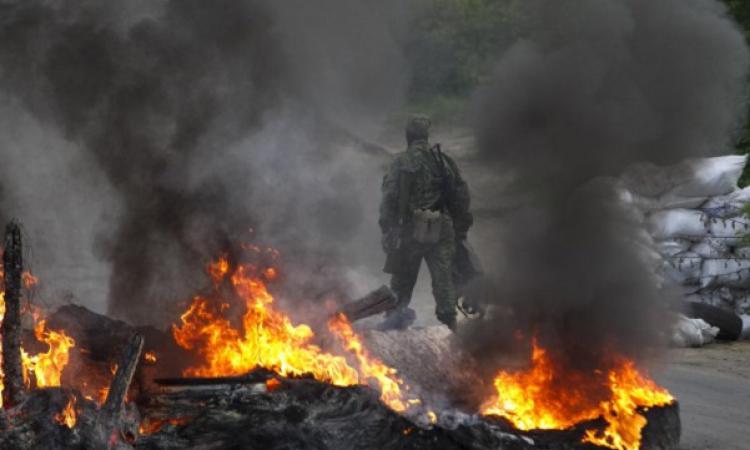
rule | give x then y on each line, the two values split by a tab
440	262
403	280
405	276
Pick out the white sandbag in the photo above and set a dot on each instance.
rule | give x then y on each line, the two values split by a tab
720	298
712	176
712	248
742	252
729	205
693	332
742	305
706	177
745	327
731	230
678	223
733	273
684	268
668	201
671	247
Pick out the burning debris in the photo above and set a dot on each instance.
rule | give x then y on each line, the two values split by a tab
548	396
250	375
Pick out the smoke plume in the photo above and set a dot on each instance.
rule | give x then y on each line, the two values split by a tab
192	123
593	86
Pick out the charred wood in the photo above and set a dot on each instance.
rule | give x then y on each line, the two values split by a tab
11	329
376	302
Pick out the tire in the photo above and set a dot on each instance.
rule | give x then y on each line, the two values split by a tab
728	323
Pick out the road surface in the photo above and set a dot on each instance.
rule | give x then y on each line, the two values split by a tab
713	386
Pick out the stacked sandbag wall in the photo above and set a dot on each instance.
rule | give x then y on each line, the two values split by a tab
694	212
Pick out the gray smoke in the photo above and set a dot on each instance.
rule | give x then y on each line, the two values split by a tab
594	86
186	124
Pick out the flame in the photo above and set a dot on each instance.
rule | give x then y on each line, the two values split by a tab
150	357
218	269
68	415
371	368
272	384
46	367
268	339
151	426
541	397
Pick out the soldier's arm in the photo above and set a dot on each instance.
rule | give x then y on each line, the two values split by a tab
459	202
389	201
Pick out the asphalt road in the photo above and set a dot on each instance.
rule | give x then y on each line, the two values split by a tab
712	385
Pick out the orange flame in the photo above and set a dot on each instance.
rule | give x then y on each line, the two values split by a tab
150	357
151	426
218	269
371	368
540	397
268	339
47	367
68	415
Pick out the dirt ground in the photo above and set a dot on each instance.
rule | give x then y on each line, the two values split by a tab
712	385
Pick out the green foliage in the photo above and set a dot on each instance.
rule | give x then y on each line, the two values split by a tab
453	47
740	11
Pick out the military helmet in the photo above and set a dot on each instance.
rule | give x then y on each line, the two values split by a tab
417	128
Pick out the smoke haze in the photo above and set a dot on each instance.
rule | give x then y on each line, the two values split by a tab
158	133
593	86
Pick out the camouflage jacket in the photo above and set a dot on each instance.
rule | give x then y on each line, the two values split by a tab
427	189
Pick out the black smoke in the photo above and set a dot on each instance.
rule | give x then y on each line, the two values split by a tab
593	86
206	119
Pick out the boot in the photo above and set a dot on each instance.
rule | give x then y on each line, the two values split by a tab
398	319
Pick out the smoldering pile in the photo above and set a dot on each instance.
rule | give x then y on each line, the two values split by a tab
264	410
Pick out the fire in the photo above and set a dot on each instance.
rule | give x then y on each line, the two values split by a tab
218	269
68	415
371	368
540	397
46	367
150	357
151	426
266	338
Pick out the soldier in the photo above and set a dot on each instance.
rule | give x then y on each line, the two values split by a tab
423	214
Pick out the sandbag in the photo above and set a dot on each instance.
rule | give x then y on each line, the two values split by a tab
706	177
745	327
725	273
678	223
667	201
689	332
712	248
730	205
742	252
712	176
732	230
672	247
684	268
721	298
742	304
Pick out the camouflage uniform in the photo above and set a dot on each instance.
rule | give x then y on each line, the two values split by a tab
427	191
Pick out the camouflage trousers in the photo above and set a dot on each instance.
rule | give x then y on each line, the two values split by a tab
439	258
